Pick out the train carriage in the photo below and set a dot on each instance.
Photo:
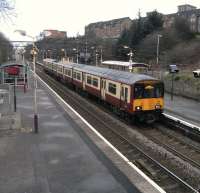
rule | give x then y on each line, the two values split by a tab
92	84
67	74
59	71
77	76
135	94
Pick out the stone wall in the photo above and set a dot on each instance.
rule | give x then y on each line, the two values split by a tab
108	29
184	85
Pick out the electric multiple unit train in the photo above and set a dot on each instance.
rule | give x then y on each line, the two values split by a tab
136	95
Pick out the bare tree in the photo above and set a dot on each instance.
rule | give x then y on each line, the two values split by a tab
7	10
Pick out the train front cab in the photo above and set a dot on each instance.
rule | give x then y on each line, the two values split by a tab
148	100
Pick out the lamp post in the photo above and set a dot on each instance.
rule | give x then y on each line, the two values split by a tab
25	70
76	50
96	57
157	53
130	54
34	52
86	50
95	54
63	55
101	57
49	51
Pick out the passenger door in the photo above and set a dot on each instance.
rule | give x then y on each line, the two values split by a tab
103	89
124	95
83	80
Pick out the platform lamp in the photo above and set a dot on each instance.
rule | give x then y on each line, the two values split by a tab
76	50
130	54
33	52
101	55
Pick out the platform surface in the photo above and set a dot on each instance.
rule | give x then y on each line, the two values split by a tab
183	108
61	158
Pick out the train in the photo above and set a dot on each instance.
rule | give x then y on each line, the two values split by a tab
138	96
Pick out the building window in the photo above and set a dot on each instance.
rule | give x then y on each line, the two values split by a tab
89	80
95	82
112	88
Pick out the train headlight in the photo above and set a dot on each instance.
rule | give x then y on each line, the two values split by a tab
158	106
138	108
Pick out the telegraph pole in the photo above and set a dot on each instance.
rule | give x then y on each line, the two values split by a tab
157	54
86	51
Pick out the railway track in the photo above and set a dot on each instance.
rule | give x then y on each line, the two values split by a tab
181	126
183	149
111	130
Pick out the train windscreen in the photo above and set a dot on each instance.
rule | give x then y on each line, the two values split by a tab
148	90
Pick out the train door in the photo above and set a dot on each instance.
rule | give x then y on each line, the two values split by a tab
83	80
124	95
103	89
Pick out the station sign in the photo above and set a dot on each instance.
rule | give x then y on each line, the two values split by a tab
12	70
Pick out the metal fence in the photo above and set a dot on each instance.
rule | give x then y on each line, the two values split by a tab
5	99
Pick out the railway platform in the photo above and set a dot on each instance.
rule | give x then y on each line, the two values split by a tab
182	108
65	156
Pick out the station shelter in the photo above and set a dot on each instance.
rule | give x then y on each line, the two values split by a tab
14	73
126	66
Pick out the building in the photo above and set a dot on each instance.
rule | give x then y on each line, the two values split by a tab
114	28
186	7
108	29
49	33
189	12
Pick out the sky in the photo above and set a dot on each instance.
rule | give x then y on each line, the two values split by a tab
72	16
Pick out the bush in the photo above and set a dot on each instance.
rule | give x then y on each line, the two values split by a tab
177	78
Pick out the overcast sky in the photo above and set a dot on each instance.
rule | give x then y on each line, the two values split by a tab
73	15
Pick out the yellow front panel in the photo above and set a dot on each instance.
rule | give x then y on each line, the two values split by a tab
148	104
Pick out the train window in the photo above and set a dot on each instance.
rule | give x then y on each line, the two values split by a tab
69	72
138	92
89	80
95	82
122	91
148	93
112	88
159	90
59	69
74	75
78	76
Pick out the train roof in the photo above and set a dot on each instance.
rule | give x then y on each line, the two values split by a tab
115	75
